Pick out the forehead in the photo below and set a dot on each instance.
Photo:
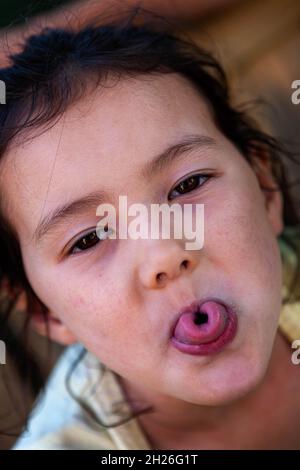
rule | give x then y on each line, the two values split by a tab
100	141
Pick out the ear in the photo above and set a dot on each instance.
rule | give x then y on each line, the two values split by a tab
45	323
273	197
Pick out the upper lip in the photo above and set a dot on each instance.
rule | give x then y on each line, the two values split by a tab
194	306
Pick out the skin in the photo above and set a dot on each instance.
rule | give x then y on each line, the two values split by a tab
108	297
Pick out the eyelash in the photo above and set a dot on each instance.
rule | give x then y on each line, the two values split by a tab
71	251
94	233
195	177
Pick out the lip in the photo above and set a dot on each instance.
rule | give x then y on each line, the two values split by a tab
218	343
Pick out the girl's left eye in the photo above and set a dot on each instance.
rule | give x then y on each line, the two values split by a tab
188	185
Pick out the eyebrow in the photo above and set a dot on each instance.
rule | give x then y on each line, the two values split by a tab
79	206
67	211
177	151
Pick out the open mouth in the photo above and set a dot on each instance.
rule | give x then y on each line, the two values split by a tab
204	327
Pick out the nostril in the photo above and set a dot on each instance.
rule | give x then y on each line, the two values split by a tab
200	318
184	264
160	277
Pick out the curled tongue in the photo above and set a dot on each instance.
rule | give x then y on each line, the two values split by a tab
203	326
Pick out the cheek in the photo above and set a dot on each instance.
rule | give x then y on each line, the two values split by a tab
95	311
239	223
242	246
241	242
92	305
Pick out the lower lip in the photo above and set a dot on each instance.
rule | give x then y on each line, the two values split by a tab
214	346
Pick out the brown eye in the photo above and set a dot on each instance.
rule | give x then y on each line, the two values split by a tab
88	241
91	239
188	185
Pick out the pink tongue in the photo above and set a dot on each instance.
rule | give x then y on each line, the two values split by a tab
187	331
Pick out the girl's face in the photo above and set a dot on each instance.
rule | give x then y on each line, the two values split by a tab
108	297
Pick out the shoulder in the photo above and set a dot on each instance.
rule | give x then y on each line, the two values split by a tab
83	406
58	420
289	244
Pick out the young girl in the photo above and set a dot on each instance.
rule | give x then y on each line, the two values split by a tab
169	348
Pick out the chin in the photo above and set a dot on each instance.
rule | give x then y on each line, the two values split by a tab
231	382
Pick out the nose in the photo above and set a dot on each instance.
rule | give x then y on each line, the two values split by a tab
164	263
